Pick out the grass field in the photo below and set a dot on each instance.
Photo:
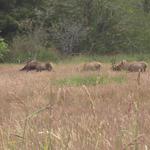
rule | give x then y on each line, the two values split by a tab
71	110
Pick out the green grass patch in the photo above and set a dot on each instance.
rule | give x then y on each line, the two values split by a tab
89	80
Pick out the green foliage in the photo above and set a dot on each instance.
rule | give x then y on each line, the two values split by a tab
3	49
42	55
48	54
105	58
31	46
13	12
81	26
89	80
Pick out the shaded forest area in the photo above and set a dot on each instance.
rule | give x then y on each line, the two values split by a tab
42	28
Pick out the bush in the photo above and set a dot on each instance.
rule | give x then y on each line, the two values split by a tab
32	46
42	55
48	55
3	49
29	44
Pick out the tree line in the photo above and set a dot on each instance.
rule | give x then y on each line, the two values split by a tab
75	26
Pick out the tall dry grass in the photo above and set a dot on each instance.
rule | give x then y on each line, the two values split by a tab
35	114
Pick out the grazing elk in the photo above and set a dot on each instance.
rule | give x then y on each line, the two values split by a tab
35	65
92	66
131	66
137	66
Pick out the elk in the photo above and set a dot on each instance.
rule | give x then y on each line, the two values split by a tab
35	65
130	66
92	66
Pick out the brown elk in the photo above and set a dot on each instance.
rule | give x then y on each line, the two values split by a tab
35	65
92	66
131	66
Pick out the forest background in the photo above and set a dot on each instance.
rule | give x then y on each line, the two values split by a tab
50	29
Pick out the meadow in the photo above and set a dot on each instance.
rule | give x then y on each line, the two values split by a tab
67	109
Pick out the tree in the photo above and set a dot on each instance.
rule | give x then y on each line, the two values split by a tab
12	12
146	5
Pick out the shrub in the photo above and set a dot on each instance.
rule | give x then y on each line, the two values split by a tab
48	55
32	46
3	49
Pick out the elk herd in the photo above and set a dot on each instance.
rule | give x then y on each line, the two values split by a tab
135	66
